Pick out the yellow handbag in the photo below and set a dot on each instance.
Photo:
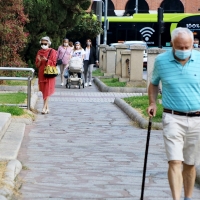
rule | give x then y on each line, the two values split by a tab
50	71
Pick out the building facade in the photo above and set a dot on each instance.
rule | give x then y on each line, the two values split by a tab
127	7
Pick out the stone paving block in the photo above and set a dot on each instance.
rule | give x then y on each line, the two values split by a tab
91	151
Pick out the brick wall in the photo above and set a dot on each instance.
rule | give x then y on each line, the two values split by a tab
154	4
191	6
120	5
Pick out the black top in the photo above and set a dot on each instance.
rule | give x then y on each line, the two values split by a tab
92	57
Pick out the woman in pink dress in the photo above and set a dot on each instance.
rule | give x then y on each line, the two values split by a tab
45	56
64	52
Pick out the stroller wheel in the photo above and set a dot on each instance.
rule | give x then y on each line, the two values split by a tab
67	83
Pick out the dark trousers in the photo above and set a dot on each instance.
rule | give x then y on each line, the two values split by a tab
85	66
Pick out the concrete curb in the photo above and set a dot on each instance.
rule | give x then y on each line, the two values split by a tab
13	89
104	88
5	119
11	141
34	88
9	148
27	121
135	116
13	169
34	98
17	88
14	166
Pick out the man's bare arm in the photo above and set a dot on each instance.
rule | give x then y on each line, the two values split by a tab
153	94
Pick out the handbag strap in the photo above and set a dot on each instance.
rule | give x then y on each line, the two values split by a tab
48	55
64	54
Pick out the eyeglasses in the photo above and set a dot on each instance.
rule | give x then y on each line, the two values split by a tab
45	44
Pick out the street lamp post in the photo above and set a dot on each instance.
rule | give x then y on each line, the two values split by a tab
136	6
105	19
99	17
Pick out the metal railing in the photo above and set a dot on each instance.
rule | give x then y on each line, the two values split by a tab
28	79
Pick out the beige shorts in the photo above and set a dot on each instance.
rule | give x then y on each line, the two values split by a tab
182	138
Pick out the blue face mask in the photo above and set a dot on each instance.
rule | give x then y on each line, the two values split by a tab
195	45
182	55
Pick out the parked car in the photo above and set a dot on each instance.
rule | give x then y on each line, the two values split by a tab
129	43
115	44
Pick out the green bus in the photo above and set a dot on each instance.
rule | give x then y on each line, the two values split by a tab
145	27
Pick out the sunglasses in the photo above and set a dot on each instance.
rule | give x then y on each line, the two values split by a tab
45	44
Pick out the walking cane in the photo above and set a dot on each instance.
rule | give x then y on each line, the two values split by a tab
145	159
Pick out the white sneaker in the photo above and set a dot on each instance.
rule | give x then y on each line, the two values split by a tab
62	84
90	84
86	84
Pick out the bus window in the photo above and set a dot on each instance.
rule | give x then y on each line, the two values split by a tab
131	34
121	34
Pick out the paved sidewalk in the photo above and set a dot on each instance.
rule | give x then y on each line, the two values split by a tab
88	149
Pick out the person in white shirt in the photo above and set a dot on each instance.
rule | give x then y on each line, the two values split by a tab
78	52
89	61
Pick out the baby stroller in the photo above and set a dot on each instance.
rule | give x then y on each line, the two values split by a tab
75	73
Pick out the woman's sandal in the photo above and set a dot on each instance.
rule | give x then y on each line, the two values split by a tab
47	111
43	111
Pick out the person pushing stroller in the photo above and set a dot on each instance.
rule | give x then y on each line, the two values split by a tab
76	66
78	52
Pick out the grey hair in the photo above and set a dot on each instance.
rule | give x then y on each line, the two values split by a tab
65	39
47	39
181	31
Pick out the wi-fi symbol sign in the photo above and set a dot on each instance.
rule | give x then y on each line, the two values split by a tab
147	32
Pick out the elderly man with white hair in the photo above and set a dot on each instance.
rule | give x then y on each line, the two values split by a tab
179	72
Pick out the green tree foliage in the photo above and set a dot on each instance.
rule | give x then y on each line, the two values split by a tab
88	27
12	35
56	19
